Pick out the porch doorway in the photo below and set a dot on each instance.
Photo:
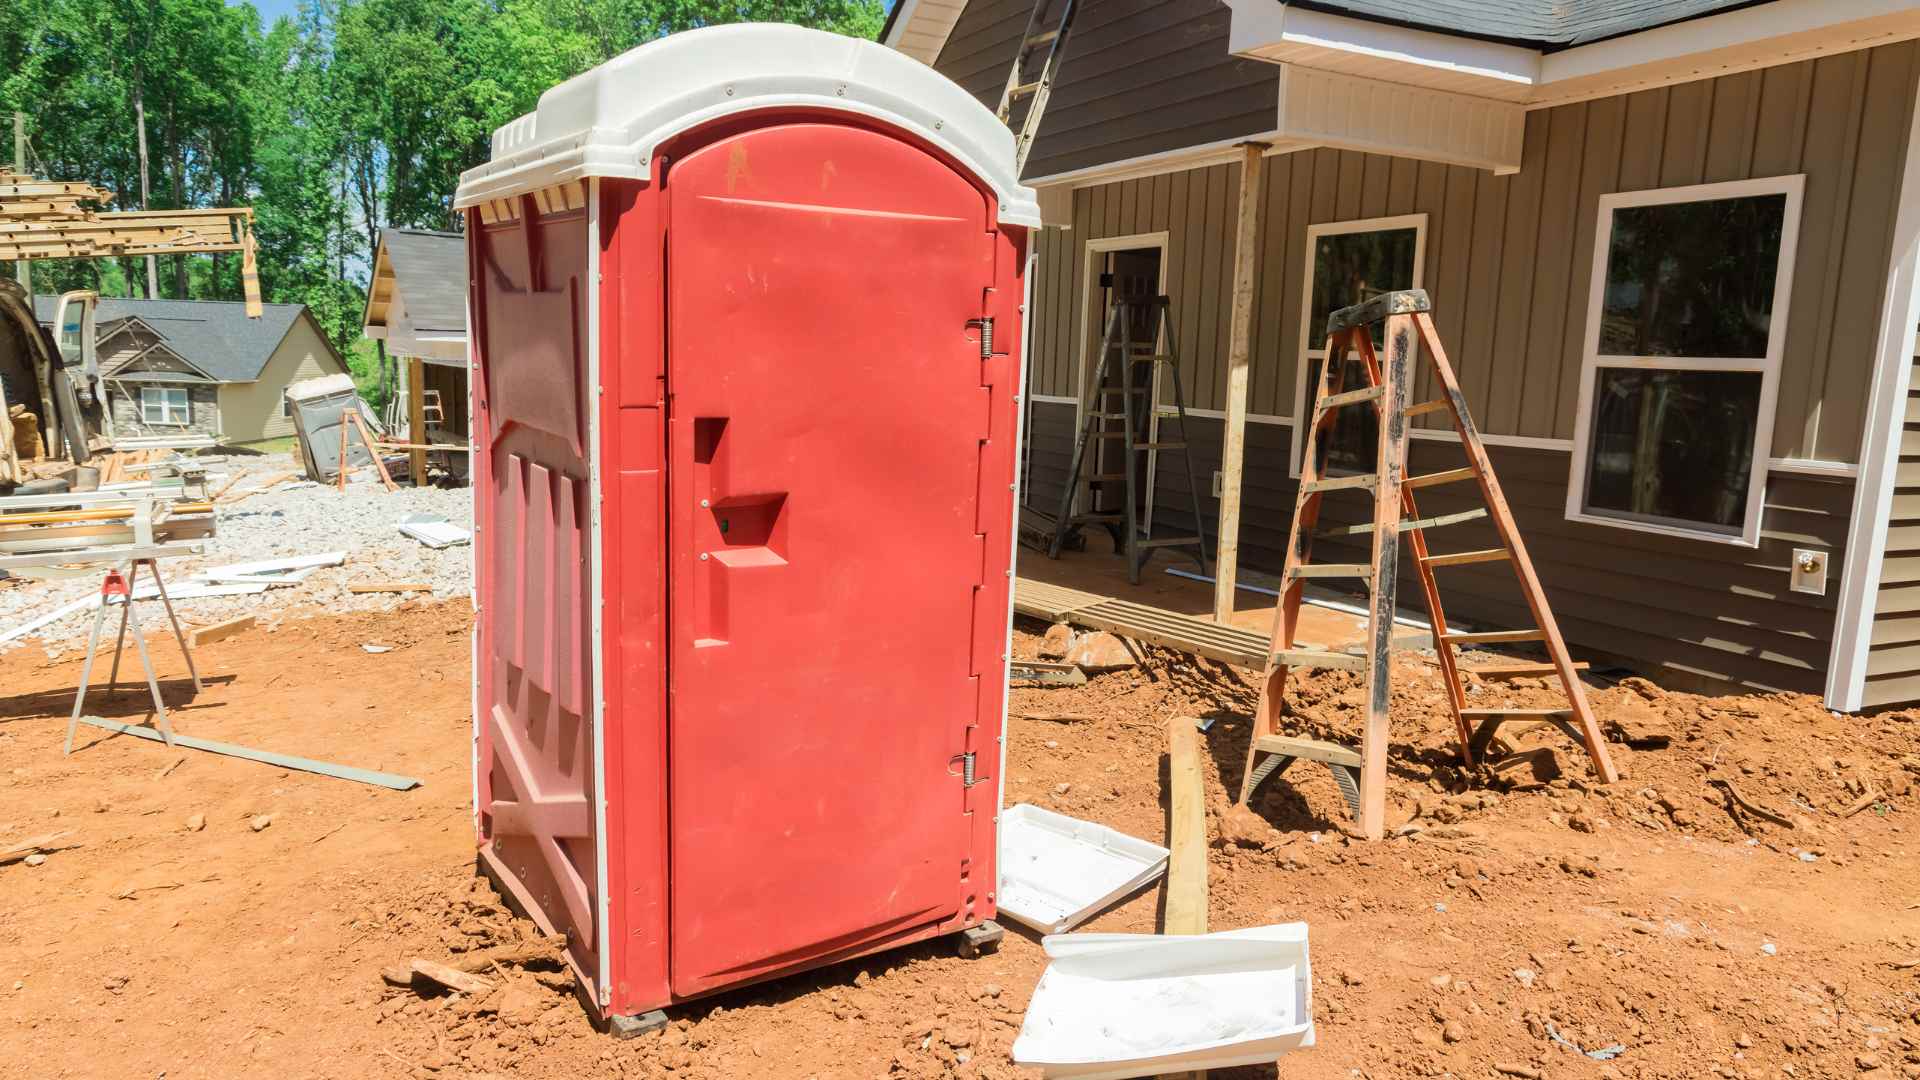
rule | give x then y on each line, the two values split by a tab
1120	270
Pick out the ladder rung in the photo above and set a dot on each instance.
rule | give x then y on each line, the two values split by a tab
1340	483
1448	477
1515	714
1351	397
1366	528
1041	39
1464	558
1167	541
1318	659
1153	358
1024	90
1161	446
1357	570
1491	636
1098	518
1108	415
1518	671
1425	407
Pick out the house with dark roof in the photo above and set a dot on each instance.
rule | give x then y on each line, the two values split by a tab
417	309
1671	247
179	368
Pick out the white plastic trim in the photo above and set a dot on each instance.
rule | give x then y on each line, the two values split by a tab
596	601
1768	367
608	121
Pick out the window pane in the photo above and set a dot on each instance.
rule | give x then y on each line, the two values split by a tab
1352	444
1351	268
1692	279
1676	445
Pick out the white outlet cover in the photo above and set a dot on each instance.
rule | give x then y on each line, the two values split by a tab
1809	571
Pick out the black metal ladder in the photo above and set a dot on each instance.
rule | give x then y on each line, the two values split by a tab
1119	375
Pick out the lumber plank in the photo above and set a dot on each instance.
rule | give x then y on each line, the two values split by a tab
206	635
1246	253
1186	911
389	587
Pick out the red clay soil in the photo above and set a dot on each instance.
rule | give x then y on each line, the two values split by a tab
1518	922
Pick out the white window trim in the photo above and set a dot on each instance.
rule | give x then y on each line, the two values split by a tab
1793	187
1308	352
186	407
1090	257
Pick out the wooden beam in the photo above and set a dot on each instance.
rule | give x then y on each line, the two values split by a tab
203	635
1246	252
1186	910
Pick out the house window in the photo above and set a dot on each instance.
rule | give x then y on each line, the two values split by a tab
1685	326
1348	263
165	406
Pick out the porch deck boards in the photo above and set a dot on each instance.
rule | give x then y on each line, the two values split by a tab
1141	622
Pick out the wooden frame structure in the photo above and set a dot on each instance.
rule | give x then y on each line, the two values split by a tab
50	219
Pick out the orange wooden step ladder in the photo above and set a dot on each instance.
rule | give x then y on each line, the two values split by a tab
1409	325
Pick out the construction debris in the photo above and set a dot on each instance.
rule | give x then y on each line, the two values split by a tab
1056	872
26	850
285	761
220	631
435	532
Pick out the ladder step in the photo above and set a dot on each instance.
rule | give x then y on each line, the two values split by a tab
1451	476
1351	397
1167	541
1438	520
1341	483
1108	415
1024	90
1042	39
1097	518
1425	407
1354	570
1154	358
1160	446
1309	749
1315	658
1463	558
1516	714
1519	671
1493	636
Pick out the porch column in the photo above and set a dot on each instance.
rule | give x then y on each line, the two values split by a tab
417	420
1246	251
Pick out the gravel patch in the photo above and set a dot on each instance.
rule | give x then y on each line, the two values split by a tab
279	523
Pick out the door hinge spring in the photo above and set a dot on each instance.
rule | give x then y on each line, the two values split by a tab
985	323
967	777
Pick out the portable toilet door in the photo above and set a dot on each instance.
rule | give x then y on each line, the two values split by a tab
747	306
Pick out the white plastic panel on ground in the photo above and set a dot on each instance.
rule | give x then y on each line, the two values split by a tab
1111	1006
1056	872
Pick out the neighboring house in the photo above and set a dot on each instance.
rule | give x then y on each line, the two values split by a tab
1671	247
202	367
417	305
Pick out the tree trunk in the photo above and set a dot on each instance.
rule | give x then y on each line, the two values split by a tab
140	130
179	155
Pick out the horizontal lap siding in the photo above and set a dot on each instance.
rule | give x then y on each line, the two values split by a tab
1508	263
980	51
1893	653
1723	614
1144	77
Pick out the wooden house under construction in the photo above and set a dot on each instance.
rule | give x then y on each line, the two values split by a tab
1672	246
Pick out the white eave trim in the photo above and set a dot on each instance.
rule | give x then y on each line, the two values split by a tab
922	28
1783	31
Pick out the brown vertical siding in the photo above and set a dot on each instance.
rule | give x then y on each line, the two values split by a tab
1508	262
1893	651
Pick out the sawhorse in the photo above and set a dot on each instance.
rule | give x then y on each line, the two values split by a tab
121	585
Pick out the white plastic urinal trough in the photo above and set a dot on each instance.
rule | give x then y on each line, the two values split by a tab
1111	1006
1057	871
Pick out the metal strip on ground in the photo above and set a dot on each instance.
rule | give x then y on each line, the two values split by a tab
265	757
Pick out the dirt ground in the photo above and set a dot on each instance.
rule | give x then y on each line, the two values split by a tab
1520	921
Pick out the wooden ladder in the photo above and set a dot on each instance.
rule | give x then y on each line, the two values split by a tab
1130	424
1045	40
1407	315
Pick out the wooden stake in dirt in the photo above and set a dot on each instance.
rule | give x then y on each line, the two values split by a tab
1186	911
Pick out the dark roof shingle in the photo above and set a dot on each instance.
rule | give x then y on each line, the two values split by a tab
430	272
1547	25
215	335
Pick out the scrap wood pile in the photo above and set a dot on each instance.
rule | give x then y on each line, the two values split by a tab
60	219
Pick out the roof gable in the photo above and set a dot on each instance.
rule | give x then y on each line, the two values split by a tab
215	336
428	271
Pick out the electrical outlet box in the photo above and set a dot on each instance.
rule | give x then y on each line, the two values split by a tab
1217	489
1809	571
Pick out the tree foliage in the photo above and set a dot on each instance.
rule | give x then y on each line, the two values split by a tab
351	116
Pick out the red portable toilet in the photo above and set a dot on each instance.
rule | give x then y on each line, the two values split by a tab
746	310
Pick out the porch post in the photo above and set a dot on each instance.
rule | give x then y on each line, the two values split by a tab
1246	251
417	420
